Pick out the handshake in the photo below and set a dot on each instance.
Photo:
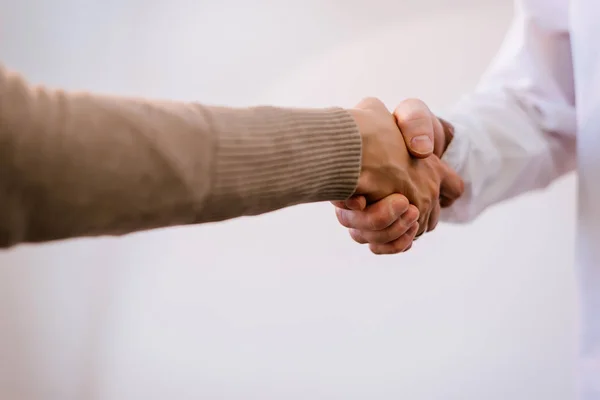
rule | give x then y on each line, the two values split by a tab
403	183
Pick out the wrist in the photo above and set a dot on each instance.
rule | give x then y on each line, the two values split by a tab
361	118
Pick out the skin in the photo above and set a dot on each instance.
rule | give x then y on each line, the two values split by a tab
390	225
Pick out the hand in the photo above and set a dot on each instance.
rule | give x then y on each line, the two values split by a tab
389	225
388	168
424	133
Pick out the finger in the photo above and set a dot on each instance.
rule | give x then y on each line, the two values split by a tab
376	216
357	236
416	125
357	203
439	137
446	202
397	246
389	234
434	217
452	186
423	223
425	212
412	234
448	133
339	203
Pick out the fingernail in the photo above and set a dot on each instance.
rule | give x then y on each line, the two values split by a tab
421	144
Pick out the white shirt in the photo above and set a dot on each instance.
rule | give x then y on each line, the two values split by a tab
520	130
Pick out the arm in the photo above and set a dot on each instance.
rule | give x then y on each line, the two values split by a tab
83	165
77	164
517	131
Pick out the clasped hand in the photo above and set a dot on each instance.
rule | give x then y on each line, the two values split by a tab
403	183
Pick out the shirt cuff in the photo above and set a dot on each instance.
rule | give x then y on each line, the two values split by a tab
455	157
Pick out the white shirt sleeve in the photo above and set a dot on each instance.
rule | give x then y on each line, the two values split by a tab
516	132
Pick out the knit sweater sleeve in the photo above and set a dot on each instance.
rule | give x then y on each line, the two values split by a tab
81	164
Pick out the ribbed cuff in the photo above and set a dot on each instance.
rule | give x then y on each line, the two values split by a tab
268	158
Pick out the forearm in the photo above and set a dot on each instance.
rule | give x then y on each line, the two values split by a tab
502	148
517	131
81	164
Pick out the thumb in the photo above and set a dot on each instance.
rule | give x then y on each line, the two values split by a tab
416	123
452	186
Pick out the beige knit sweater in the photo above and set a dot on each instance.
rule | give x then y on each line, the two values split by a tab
80	164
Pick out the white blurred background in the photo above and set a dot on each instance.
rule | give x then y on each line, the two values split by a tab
284	306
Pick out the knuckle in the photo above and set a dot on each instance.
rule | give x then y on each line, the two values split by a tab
412	214
379	221
386	235
423	217
422	227
380	239
434	184
431	226
342	217
414	101
424	208
371	99
399	245
399	204
413	232
371	102
413	109
375	249
357	236
337	203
